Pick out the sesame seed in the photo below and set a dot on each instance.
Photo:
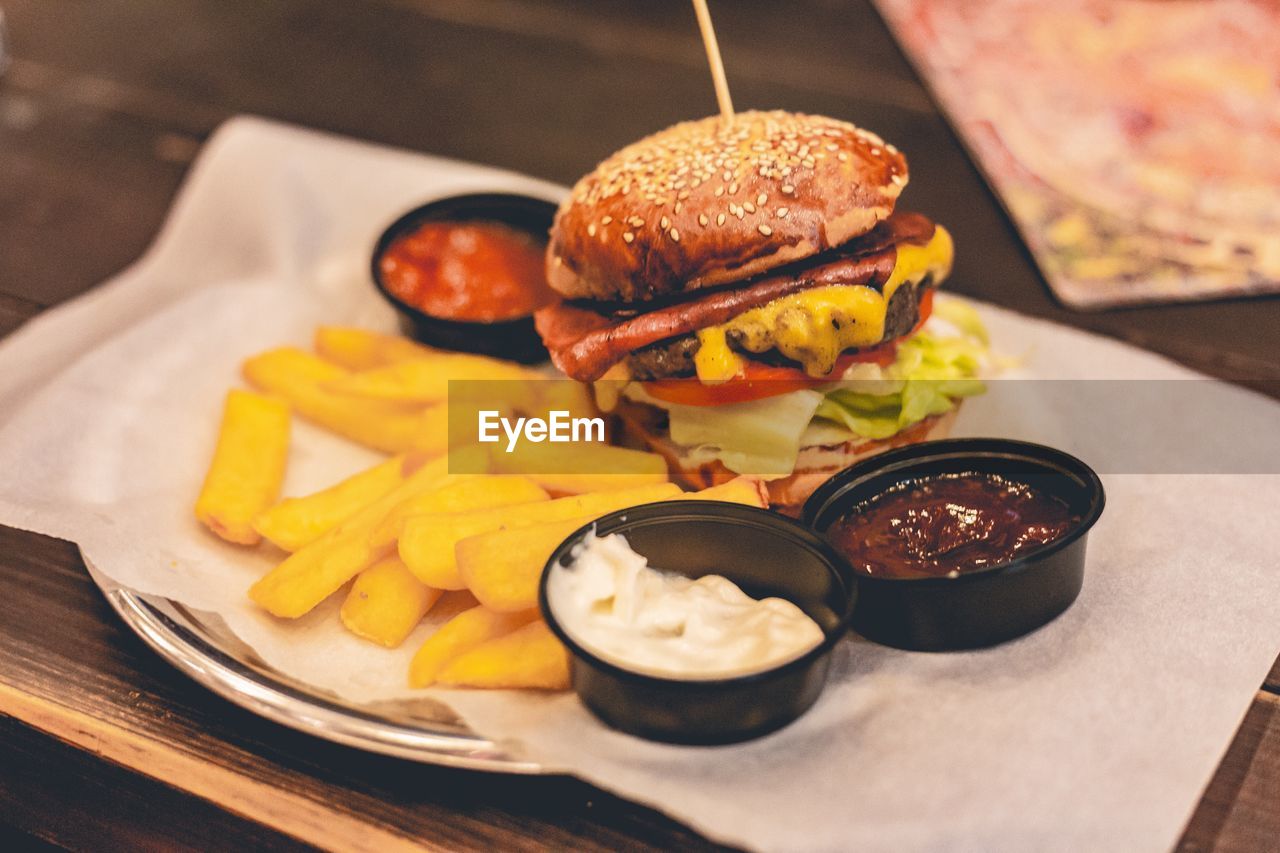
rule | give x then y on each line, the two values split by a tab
675	235
628	236
766	230
664	223
679	205
665	168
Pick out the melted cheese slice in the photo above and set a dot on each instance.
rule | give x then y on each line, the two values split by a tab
815	326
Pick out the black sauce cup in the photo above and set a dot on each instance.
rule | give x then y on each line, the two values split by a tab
978	608
515	339
763	553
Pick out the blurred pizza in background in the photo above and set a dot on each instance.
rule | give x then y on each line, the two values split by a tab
1136	142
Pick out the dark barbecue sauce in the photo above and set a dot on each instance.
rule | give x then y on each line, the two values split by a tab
950	523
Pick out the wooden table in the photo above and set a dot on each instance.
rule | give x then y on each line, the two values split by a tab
101	112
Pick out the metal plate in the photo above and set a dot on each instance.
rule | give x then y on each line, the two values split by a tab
200	645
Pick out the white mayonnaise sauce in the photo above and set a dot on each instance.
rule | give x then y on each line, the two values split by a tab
659	623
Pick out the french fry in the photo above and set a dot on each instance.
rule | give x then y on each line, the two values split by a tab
361	349
313	573
548	464
528	657
295	522
427	543
300	378
502	568
426	380
464	493
248	465
386	603
572	397
740	490
431	432
289	365
464	632
582	484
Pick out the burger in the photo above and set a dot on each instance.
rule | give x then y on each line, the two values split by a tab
747	300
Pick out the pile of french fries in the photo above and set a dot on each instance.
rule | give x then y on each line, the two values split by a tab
403	534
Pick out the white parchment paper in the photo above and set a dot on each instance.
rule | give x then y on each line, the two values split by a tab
1096	732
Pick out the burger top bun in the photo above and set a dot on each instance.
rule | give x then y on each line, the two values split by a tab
713	201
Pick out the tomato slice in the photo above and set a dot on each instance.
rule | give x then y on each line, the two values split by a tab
691	392
759	381
926	310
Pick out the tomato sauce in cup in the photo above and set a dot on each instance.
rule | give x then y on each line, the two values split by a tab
475	271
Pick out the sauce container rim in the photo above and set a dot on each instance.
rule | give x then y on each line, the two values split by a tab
683	510
833	489
425	212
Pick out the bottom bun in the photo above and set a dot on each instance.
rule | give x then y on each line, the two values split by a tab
643	428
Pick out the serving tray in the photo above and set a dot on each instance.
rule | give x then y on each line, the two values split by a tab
201	646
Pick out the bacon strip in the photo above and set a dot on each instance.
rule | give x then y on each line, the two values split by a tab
584	344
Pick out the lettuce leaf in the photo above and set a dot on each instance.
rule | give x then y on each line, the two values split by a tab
928	375
763	437
964	317
760	437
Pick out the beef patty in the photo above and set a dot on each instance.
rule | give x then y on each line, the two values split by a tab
673	357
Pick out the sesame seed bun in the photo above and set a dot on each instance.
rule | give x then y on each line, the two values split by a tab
709	202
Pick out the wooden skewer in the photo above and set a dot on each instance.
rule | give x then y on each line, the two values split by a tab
713	57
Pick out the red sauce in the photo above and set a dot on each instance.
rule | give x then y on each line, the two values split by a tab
481	271
951	523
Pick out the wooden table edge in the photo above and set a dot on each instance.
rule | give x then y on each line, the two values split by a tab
300	817
297	816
